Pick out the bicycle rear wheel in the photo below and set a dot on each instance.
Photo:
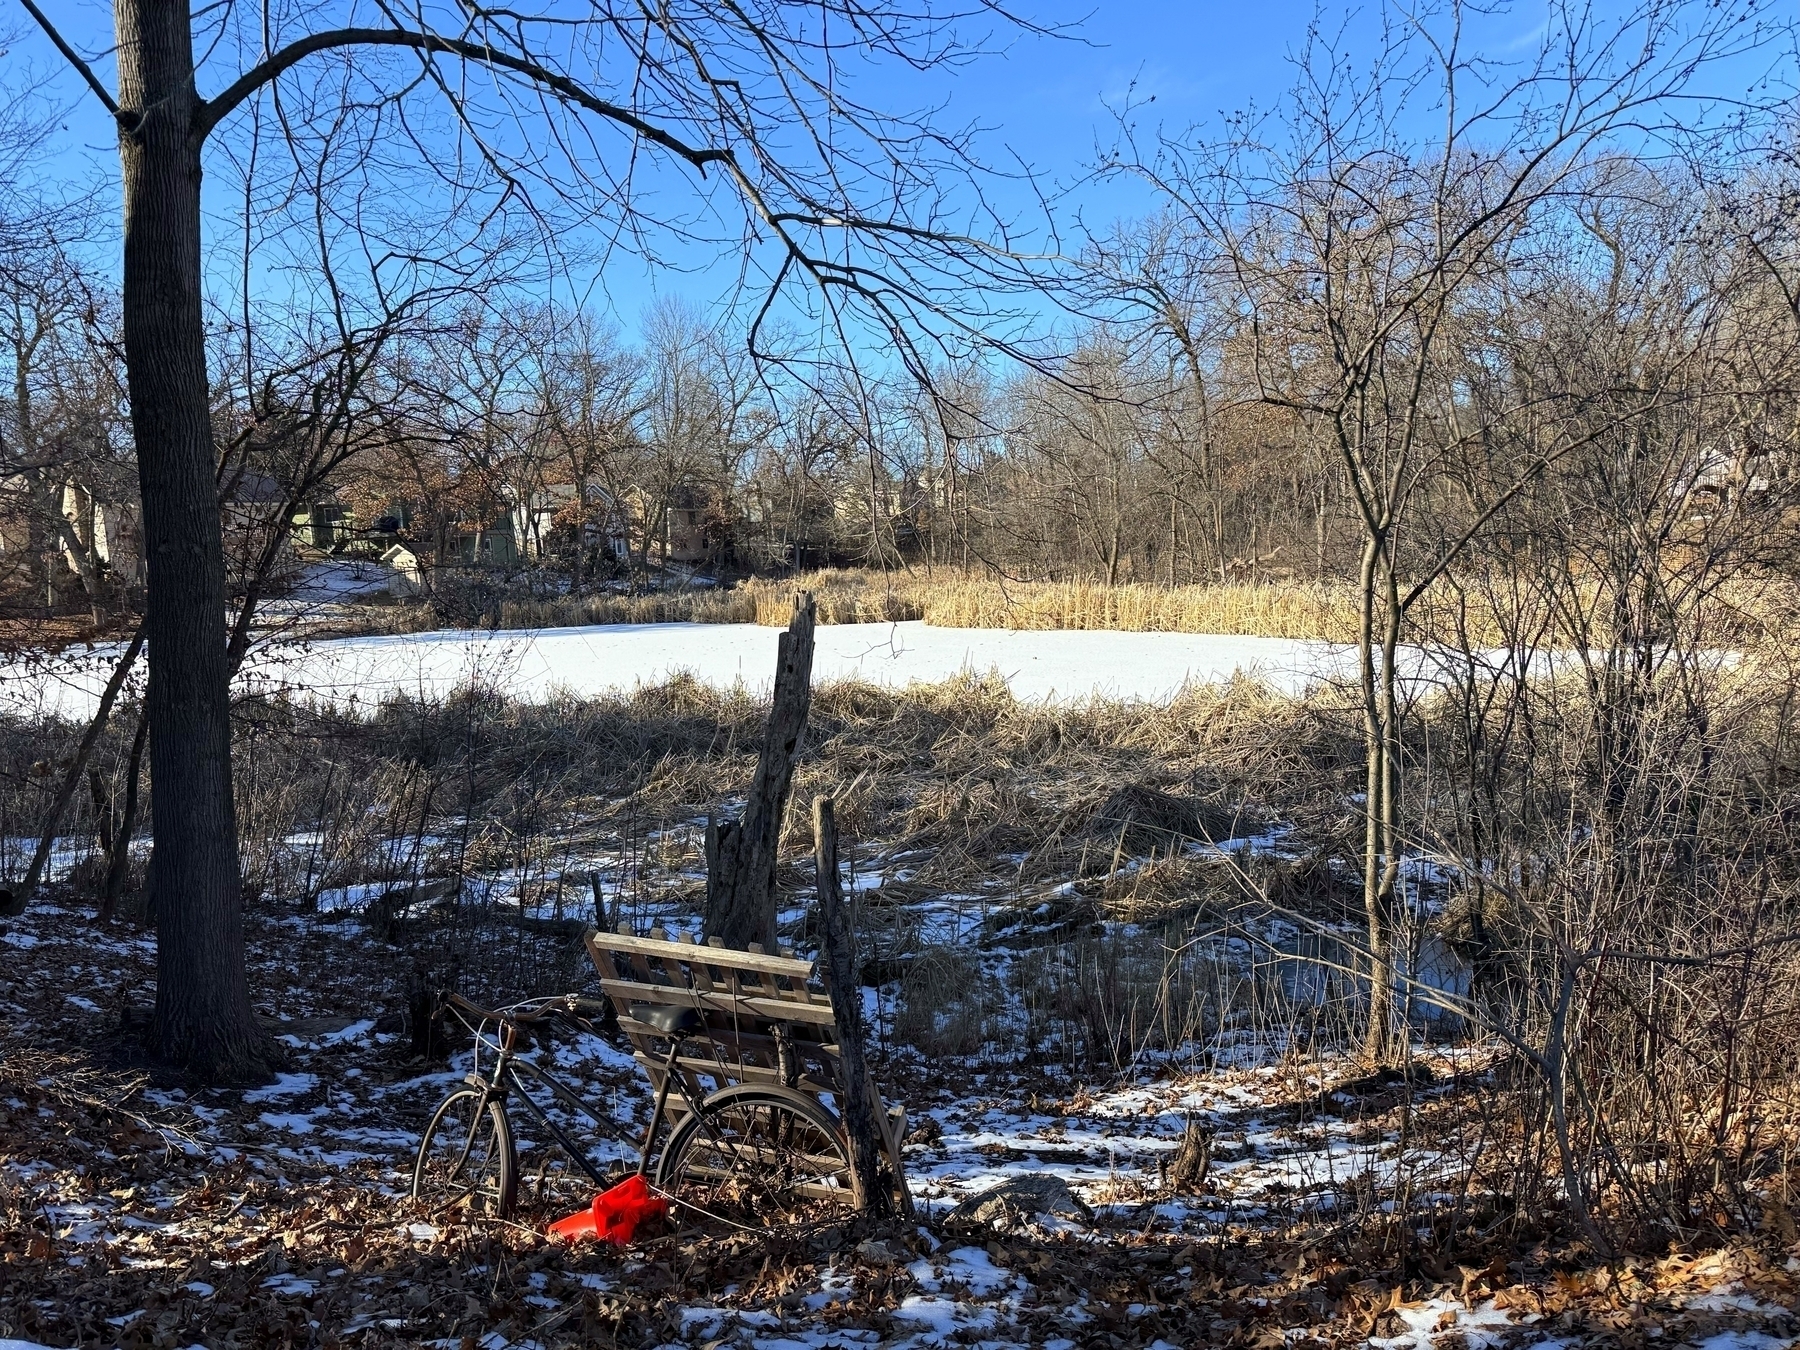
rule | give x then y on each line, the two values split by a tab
466	1159
758	1155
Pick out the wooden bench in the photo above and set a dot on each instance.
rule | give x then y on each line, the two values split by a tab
752	1003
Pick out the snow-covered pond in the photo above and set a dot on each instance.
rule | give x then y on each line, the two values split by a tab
536	665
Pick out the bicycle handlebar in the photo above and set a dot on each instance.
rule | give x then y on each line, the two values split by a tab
554	1005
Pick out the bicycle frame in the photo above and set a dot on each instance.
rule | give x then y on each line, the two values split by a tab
508	1079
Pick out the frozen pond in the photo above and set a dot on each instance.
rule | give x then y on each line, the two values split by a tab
1059	666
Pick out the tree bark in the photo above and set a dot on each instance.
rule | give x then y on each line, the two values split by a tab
873	1192
740	856
1378	643
118	863
203	1019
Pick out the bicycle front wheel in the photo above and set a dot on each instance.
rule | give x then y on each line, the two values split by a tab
466	1159
758	1155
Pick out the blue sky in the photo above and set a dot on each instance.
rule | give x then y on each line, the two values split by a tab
1044	100
1048	102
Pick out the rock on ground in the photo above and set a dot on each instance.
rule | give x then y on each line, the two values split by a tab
1019	1199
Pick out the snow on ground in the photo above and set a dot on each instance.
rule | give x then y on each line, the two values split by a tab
285	1202
585	661
331	581
1064	665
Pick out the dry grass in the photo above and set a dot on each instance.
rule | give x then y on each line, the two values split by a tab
946	1008
1249	609
944	599
953	601
472	601
1744	611
842	597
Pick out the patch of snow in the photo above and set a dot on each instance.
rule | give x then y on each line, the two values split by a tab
349	899
285	1085
1481	1326
1730	1298
973	1268
334	580
1039	666
291	1286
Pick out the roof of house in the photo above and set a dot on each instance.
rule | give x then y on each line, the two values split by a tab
247	485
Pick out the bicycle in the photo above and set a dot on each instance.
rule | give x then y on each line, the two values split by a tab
751	1154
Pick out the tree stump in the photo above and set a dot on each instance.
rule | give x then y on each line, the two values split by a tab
740	855
1187	1172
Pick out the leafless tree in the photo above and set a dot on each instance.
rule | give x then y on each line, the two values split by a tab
727	96
1358	260
595	393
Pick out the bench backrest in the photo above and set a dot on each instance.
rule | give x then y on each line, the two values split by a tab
742	995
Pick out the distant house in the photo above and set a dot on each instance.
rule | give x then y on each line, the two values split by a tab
324	524
118	534
515	528
1732	475
406	577
544	520
471	540
103	516
684	533
677	529
251	507
246	489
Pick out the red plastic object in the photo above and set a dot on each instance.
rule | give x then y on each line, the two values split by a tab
615	1213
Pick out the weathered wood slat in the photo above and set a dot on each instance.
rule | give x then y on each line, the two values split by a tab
764	1009
748	1073
753	1046
717	957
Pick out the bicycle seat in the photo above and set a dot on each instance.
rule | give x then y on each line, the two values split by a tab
670	1021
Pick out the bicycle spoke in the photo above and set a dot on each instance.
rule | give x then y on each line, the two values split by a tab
758	1159
465	1158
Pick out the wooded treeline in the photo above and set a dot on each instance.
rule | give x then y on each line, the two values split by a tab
1503	349
1626	348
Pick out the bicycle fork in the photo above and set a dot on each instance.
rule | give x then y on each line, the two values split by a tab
490	1092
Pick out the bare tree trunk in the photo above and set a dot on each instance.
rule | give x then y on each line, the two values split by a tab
118	864
86	567
43	512
873	1192
578	566
1377	782
203	1019
1319	530
740	856
77	538
16	903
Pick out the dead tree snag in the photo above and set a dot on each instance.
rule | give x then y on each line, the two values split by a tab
740	855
